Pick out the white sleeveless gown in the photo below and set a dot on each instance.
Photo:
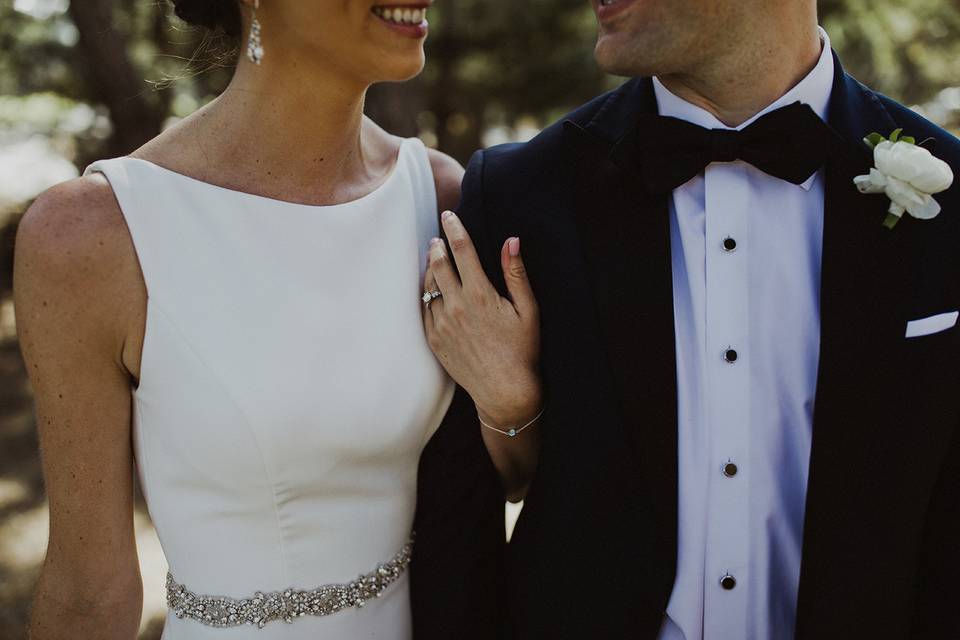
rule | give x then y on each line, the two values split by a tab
286	390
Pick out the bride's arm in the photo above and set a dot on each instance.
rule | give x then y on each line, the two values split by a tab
74	267
488	343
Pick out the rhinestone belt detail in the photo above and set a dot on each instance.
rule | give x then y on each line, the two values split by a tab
220	611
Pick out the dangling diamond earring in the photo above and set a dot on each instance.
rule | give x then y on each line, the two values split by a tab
254	45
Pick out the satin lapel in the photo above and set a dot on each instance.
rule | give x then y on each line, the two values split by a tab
625	235
864	282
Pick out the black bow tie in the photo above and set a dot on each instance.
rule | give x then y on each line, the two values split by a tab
791	143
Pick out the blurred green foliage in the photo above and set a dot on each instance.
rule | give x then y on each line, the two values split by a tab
908	49
520	65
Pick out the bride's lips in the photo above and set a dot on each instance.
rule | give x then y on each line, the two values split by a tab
406	19
607	10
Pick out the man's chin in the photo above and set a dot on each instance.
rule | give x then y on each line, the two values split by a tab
615	56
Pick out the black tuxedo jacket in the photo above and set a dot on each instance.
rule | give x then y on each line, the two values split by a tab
595	550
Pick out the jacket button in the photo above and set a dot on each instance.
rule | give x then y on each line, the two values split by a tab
730	469
728	582
729	245
730	355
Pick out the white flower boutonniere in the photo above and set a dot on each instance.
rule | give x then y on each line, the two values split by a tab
908	174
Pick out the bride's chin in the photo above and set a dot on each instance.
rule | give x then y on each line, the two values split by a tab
401	70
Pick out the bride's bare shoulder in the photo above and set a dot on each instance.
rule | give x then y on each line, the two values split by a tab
73	251
75	224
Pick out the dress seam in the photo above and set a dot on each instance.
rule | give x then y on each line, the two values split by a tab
273	491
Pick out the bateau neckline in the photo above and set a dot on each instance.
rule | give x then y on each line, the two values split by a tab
276	201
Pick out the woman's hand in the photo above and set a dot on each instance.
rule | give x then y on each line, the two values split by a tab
489	344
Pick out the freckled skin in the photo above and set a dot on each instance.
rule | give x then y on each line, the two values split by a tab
81	299
73	276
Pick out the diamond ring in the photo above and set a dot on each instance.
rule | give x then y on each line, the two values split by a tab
430	296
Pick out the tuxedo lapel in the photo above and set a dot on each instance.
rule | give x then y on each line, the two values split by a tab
863	287
625	236
862	276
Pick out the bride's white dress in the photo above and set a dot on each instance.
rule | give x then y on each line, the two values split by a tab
286	393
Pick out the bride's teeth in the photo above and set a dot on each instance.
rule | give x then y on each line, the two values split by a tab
401	15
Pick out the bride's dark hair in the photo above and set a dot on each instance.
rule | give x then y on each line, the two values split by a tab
212	14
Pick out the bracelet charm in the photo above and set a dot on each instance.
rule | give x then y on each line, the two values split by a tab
512	432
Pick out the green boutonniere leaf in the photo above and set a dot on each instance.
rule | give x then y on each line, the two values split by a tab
873	140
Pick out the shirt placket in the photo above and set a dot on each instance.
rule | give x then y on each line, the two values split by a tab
726	563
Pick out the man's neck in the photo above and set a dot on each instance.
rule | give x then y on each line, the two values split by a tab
737	85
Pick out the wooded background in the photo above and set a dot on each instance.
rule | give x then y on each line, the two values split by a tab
86	80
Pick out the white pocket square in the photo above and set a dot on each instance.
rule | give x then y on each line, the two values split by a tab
933	324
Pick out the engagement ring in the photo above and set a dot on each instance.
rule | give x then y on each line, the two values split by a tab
430	296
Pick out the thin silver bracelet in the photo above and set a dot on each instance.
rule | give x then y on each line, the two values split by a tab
514	431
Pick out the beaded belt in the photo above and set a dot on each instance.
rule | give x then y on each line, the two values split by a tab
220	611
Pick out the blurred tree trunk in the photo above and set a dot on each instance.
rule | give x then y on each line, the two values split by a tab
459	126
8	232
395	106
446	52
136	112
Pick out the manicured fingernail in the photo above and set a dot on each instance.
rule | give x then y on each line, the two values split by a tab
434	241
513	246
447	215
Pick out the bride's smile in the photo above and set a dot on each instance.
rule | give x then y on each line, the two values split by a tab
409	20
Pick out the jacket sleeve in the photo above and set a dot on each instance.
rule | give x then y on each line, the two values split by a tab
457	569
938	604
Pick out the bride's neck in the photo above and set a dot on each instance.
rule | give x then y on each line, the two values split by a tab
298	120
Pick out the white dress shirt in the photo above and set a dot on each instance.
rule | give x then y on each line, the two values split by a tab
747	320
